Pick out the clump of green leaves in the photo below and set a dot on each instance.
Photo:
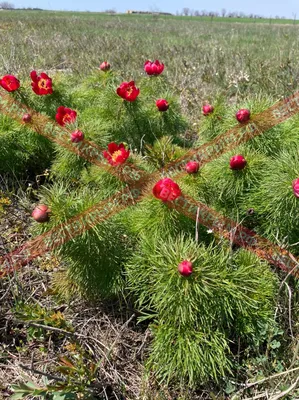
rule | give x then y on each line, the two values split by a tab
227	298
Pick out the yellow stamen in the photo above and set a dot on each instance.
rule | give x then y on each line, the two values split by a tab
115	155
42	83
129	90
66	118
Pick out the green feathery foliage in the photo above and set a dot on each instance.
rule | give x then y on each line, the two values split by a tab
197	320
274	200
95	258
223	118
228	296
226	187
105	117
22	152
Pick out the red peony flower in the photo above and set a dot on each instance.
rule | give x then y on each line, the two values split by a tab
41	213
10	83
77	136
65	115
243	115
41	84
153	67
192	167
166	190
237	162
185	268
207	109
26	118
162	105
128	91
296	187
105	66
116	154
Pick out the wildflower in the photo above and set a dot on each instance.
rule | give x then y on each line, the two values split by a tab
77	136
128	91
162	105
185	268
116	154
105	66
237	162
243	115
153	67
65	115
41	84
10	83
207	109
192	167
41	213
296	187
26	118
166	190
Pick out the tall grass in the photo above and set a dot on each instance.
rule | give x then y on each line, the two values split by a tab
203	58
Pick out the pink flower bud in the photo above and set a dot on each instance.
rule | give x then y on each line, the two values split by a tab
41	213
77	136
296	187
185	268
105	66
26	118
207	109
192	167
243	115
237	162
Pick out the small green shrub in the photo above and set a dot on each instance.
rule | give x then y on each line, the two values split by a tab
227	298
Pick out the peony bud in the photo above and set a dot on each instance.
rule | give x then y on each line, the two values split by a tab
192	167
243	115
296	187
41	213
162	105
77	136
105	66
207	109
185	268
26	118
166	190
237	162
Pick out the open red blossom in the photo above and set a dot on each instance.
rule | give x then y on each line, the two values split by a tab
65	115
10	83
116	154
153	67
166	190
162	105
128	91
296	187
41	84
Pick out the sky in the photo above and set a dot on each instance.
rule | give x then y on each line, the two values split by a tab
267	8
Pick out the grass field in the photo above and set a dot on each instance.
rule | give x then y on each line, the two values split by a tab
203	58
236	61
